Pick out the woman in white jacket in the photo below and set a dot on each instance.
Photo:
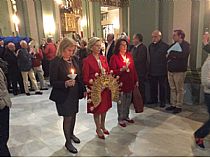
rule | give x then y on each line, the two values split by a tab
5	104
204	130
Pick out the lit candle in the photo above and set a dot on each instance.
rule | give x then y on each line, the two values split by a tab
72	71
127	62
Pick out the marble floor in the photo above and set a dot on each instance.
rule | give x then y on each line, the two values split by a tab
36	130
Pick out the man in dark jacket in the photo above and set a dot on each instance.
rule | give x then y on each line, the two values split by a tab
13	70
2	49
24	59
177	67
109	46
158	68
139	53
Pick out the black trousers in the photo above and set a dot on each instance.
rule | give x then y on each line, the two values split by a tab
46	67
16	78
142	87
4	132
204	130
158	88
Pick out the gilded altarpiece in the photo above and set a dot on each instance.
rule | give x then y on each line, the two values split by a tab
69	22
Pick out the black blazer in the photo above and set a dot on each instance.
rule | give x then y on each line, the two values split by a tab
110	51
140	59
59	69
158	60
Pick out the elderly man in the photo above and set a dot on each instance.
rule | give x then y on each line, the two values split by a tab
177	67
25	66
158	68
109	46
13	70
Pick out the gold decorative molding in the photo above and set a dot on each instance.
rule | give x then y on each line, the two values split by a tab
116	3
69	22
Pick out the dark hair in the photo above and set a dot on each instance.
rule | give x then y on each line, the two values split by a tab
180	33
117	45
139	36
111	34
49	40
84	42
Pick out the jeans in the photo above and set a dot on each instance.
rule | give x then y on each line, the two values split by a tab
123	107
204	130
4	132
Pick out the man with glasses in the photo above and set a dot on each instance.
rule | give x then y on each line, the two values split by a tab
178	54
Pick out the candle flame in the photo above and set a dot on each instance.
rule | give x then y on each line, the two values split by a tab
72	71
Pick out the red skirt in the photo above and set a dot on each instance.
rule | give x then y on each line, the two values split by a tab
104	106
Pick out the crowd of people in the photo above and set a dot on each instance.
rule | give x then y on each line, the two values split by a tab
72	66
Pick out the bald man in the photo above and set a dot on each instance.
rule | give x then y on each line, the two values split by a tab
13	70
158	68
25	66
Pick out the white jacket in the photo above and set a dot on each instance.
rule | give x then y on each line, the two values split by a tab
205	75
4	95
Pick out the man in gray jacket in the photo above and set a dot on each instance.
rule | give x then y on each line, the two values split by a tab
5	104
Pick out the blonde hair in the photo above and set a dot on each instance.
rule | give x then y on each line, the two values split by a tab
91	42
65	43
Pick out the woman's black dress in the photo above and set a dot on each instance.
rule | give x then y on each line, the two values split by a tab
66	99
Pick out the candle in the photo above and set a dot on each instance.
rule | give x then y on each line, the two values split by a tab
127	61
72	71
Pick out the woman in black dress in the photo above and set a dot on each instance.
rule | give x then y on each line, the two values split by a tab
66	91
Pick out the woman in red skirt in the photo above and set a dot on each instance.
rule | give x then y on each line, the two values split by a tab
92	65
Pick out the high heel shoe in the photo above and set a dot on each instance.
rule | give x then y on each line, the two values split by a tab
100	136
71	148
199	142
122	123
75	139
105	131
129	120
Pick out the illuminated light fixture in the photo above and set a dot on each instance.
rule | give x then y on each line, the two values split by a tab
16	21
116	24
83	22
59	2
49	24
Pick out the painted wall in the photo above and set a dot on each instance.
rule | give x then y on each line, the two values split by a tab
182	16
32	20
144	18
6	24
